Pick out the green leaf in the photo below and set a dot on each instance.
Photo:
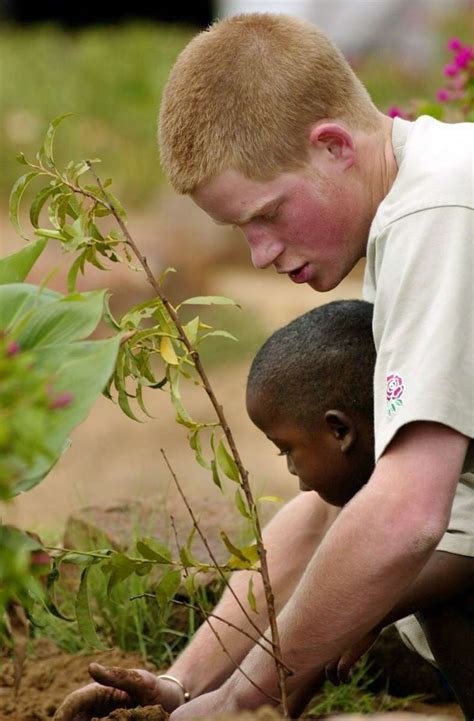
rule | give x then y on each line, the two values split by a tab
84	618
21	159
15	199
125	406
70	318
227	463
15	267
169	585
191	329
232	548
45	153
17	300
71	364
38	203
247	558
118	207
209	300
215	475
153	550
241	505
221	333
271	499
251	596
195	443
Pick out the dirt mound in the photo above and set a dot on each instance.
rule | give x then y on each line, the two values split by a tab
142	713
49	675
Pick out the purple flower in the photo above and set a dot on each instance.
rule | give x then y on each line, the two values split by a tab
443	95
450	70
463	58
454	44
63	400
12	348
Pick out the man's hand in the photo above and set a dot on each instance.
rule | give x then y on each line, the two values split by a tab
118	688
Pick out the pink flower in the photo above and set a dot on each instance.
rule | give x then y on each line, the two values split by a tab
450	70
454	44
12	348
395	387
63	400
463	58
443	95
395	112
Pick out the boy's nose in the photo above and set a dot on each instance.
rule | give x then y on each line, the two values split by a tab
291	467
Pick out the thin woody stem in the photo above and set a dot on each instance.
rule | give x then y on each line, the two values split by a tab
208	615
213	630
206	544
282	672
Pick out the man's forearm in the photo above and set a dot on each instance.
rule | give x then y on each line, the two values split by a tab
373	552
290	539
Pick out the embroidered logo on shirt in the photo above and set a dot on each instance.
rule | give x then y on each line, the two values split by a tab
395	391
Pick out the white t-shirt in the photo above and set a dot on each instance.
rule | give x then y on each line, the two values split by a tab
420	262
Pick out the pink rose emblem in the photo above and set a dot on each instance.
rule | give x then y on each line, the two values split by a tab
395	387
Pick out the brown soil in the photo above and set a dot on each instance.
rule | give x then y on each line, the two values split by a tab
142	713
49	675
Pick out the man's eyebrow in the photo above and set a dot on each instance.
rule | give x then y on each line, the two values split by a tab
252	213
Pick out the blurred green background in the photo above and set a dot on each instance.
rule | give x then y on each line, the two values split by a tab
111	78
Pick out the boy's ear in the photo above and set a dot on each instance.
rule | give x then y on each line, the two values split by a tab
342	427
334	139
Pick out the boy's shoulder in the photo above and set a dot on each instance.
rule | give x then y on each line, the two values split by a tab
435	162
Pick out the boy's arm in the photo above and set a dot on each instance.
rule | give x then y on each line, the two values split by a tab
373	552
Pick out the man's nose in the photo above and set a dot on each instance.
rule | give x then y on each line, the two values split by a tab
264	249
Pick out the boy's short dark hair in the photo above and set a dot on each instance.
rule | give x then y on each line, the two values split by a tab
324	359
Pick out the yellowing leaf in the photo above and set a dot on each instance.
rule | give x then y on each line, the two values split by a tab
167	351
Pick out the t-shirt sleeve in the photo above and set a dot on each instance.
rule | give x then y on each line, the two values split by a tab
423	323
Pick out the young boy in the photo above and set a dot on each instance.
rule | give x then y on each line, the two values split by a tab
310	391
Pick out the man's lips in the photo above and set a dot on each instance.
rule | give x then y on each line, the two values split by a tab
302	274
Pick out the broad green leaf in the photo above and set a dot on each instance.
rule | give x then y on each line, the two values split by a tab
15	267
153	550
72	317
83	369
209	300
17	300
15	199
77	266
227	463
167	351
84	618
251	596
241	505
45	153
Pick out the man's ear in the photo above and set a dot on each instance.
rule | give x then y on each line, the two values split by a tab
343	428
334	140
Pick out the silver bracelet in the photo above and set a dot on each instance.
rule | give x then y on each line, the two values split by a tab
186	694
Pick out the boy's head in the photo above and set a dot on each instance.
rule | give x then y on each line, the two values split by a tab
310	391
244	94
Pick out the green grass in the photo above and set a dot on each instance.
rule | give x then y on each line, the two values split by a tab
110	77
356	695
